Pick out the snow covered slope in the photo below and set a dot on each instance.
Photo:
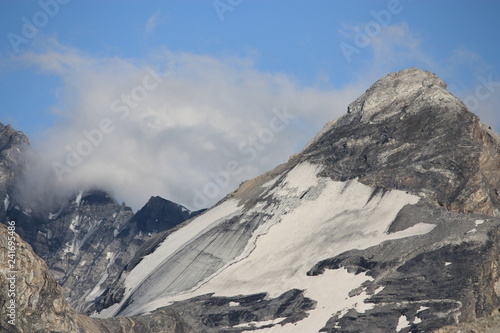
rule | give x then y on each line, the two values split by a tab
270	246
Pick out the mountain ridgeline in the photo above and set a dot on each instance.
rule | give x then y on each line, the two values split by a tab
387	221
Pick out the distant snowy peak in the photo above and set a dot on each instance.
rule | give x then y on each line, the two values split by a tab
88	238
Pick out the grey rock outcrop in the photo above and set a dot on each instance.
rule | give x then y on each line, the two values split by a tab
160	214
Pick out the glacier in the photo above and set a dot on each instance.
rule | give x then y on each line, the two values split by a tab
242	248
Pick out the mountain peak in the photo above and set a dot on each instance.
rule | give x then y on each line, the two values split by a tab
408	132
160	214
9	136
407	91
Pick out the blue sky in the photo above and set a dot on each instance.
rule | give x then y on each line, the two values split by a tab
225	66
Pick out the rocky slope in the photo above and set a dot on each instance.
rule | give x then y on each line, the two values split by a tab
78	242
38	302
90	238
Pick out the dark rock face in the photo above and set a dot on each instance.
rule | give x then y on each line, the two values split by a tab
90	239
160	214
79	242
408	132
13	160
230	314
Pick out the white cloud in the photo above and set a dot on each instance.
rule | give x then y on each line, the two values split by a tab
397	45
177	139
204	118
463	55
152	22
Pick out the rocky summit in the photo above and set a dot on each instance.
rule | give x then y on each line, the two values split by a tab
387	221
408	132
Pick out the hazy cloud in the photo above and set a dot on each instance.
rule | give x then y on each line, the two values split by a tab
152	22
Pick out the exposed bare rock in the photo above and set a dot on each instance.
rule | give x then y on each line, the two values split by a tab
488	324
13	159
39	304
